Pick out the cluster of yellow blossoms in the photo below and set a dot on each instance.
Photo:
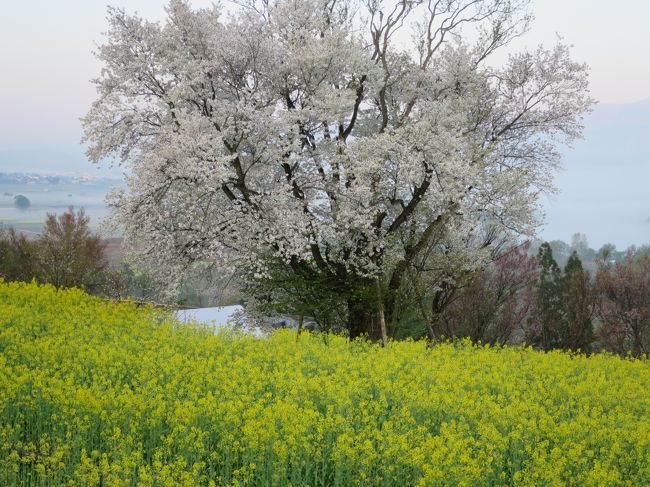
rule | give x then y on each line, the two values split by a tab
93	393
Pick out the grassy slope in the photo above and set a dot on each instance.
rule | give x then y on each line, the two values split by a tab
94	393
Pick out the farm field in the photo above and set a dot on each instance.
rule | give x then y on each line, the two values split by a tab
95	393
51	198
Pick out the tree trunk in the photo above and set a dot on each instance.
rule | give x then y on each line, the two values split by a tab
300	324
636	340
382	318
363	319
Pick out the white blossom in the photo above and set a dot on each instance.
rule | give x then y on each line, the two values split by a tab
310	132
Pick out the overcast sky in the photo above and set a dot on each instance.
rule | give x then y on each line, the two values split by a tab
46	64
46	60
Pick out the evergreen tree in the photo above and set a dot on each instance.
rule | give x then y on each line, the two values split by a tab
548	323
579	306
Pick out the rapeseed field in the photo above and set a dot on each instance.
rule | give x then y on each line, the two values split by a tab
93	393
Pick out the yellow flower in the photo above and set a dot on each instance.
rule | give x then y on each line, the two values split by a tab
94	392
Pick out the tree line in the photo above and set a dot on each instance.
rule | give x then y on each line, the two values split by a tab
526	299
64	254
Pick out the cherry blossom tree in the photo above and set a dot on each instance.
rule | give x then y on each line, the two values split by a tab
333	141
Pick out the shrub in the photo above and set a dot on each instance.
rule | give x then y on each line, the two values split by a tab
17	260
495	303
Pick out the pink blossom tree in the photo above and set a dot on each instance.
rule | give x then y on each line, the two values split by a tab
624	306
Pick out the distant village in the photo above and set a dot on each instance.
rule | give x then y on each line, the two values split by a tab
62	178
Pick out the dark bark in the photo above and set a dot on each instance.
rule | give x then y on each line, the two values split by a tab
363	319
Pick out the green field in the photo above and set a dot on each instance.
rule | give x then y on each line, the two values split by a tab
114	394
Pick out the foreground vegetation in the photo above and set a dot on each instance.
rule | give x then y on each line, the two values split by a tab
114	394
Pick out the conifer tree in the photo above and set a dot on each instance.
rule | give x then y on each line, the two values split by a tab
548	324
579	306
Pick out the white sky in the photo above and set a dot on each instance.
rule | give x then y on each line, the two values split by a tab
613	38
46	59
